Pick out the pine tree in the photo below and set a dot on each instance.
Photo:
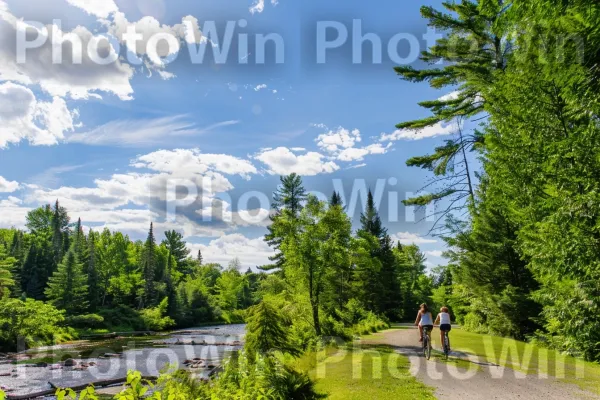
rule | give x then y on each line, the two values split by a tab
177	247
199	257
67	288
370	220
92	274
37	267
59	222
288	198
148	270
79	244
336	200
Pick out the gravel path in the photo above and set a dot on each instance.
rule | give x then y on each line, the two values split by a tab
482	381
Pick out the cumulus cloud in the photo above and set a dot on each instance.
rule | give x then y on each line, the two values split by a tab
192	161
260	87
251	252
25	118
450	96
7	186
341	145
282	161
408	238
435	253
13	214
67	78
439	129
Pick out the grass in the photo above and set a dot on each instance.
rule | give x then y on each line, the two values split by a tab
528	358
359	374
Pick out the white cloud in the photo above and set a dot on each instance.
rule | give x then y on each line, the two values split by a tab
13	214
435	253
192	161
251	252
7	186
260	87
439	129
143	132
334	141
282	161
99	8
23	117
78	80
340	144
450	96
149	27
408	238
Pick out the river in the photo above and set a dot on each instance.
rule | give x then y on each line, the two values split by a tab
38	369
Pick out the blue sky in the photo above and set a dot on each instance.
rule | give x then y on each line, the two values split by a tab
104	140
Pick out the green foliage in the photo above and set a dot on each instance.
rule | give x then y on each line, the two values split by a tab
156	318
28	323
91	321
67	288
267	330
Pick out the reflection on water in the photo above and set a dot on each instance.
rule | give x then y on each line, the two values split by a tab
199	350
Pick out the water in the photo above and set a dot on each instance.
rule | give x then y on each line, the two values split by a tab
111	359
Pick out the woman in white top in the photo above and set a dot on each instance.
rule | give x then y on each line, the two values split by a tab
443	319
424	320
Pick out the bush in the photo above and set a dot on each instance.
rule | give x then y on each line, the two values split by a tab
90	321
29	323
155	319
122	318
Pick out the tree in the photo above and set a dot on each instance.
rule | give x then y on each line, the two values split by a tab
199	257
148	267
177	246
39	219
288	200
474	53
67	288
6	276
336	200
370	220
92	273
60	229
267	331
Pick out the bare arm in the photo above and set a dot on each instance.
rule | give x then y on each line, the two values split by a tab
418	318
437	320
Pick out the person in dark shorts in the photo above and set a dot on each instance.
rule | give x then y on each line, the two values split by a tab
443	319
424	320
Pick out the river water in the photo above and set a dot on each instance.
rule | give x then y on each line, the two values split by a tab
204	349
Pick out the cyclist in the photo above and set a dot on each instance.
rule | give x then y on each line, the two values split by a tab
424	320
443	319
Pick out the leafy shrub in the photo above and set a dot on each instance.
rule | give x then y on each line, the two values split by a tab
122	318
155	318
91	321
28	323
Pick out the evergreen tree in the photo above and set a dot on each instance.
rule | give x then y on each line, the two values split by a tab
370	220
67	288
288	200
6	276
60	222
336	200
92	273
148	267
199	257
79	244
177	247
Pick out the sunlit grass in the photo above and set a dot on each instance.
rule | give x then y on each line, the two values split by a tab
369	373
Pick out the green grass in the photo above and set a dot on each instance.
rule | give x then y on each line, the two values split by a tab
369	373
528	358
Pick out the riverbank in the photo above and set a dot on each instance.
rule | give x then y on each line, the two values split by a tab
199	350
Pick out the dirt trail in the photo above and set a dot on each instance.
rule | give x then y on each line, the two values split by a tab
482	381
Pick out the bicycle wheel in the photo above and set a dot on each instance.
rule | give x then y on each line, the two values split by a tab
446	346
428	349
425	340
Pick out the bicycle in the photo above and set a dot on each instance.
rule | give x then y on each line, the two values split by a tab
446	345
427	342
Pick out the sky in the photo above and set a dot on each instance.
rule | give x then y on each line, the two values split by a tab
113	141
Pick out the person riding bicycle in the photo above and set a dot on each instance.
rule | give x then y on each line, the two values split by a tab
424	320
443	319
